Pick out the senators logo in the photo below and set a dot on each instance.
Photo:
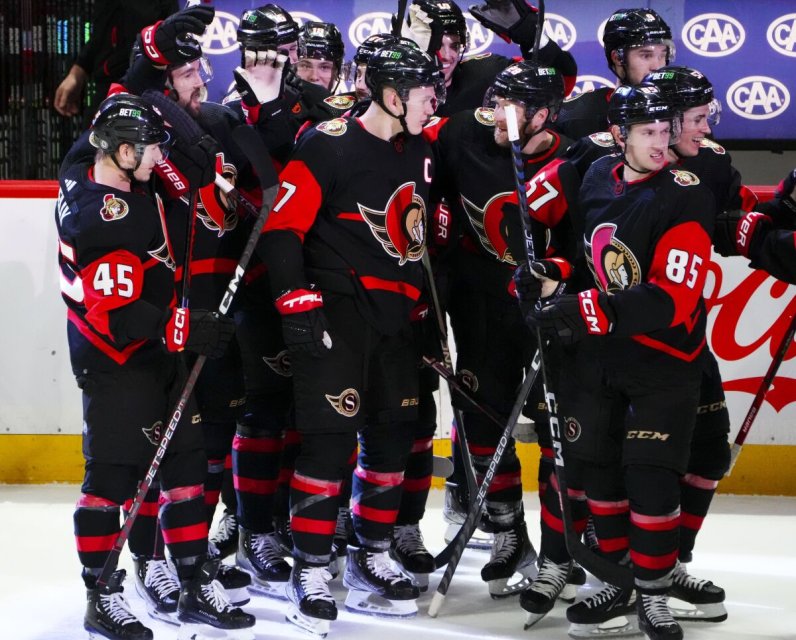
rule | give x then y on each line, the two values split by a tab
603	139
336	127
280	364
612	263
155	432
347	403
713	146
341	102
401	227
684	178
114	208
490	225
215	209
469	379
485	116
572	429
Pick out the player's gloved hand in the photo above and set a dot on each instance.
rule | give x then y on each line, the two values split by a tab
750	229
261	81
173	40
195	163
512	20
785	194
540	281
304	326
418	27
204	332
573	317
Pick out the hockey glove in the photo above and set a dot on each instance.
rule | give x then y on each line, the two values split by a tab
204	332
512	20
420	28
260	82
195	163
540	281
173	41
304	326
573	317
750	229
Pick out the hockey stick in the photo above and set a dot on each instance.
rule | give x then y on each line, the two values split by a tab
607	571
539	28
757	402
257	154
399	18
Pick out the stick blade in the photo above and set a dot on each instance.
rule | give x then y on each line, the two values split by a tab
436	604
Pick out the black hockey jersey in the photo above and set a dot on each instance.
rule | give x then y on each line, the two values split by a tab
117	271
350	216
585	113
647	244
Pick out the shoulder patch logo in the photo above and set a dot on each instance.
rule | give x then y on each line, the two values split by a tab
401	226
713	146
114	209
341	102
684	178
335	127
347	403
602	139
485	116
480	56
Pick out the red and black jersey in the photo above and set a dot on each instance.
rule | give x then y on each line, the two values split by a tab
350	216
584	114
117	271
647	244
477	180
774	251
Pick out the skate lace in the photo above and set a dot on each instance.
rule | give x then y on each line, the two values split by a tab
684	579
227	527
551	579
315	583
505	545
409	540
602	597
116	607
266	548
382	567
215	595
159	578
657	611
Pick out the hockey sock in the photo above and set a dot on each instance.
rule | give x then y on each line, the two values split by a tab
213	483
554	546
96	525
145	536
313	516
255	464
609	508
696	494
291	445
228	496
183	522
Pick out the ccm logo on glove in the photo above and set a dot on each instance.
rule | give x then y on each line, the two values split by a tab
597	323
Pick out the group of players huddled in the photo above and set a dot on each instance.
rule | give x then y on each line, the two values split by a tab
313	418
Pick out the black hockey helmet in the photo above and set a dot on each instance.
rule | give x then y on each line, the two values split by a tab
266	28
403	66
321	41
446	19
370	45
686	88
630	28
127	118
642	103
534	86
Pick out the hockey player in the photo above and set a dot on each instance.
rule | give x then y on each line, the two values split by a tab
626	450
124	330
636	41
342	246
439	27
320	55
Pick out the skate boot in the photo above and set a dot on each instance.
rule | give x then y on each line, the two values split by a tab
343	536
655	619
512	552
376	586
539	598
408	550
284	536
705	598
225	539
236	583
312	606
609	612
261	555
576	579
108	615
454	512
158	588
206	612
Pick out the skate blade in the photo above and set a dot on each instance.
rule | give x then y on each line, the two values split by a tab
420	580
193	631
275	590
532	619
620	627
371	604
687	612
479	541
314	626
502	588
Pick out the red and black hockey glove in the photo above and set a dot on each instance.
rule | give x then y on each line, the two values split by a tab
751	227
304	326
512	20
539	281
194	163
204	332
173	41
573	317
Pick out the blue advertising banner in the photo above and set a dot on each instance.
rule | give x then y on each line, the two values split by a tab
747	49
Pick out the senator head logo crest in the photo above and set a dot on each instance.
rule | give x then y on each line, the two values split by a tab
401	227
114	208
612	262
490	226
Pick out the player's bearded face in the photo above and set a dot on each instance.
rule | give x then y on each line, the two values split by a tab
152	155
639	61
189	86
449	54
501	128
647	144
695	128
420	106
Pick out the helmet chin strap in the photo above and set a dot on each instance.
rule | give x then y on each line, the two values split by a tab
400	118
130	173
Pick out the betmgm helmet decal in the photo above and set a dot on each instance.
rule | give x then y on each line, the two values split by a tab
401	226
613	264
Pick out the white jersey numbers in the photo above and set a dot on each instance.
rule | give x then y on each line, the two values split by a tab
681	265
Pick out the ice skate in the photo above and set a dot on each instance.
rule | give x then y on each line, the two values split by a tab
206	612
284	536
312	606
609	612
225	538
158	588
408	550
261	556
376	587
538	599
512	552
454	512
655	619
575	580
109	616
695	599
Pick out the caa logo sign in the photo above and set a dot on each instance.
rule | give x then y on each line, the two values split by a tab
713	35
560	30
375	22
781	35
302	16
758	97
221	36
588	83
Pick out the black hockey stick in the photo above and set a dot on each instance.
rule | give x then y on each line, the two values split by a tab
257	154
765	383
607	571
399	18
539	28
